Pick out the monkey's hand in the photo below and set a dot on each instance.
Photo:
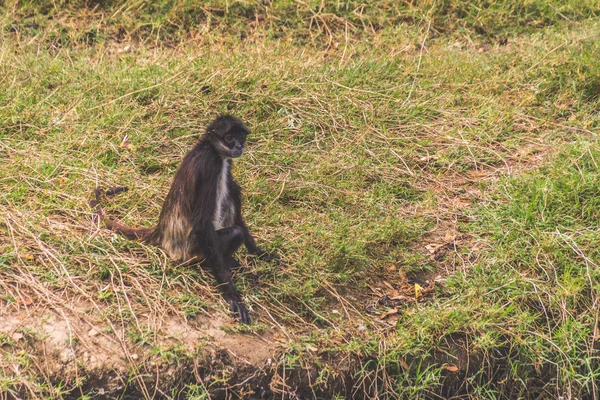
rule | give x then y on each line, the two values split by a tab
268	256
263	255
237	307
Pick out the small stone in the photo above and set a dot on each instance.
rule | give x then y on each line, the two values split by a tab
67	355
134	356
93	332
124	49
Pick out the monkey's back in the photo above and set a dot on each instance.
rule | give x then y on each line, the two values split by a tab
173	232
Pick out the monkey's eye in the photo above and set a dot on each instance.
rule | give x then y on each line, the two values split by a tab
228	138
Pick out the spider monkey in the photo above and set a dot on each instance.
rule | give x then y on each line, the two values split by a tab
201	218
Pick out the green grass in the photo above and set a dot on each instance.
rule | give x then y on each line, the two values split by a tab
379	130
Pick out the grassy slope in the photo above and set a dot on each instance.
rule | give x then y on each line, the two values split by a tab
366	146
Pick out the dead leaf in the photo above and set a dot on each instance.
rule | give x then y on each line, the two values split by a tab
402	298
403	364
479	246
432	247
392	311
449	237
126	144
451	368
477	174
389	286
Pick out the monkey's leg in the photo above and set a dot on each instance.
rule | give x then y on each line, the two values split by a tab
206	244
230	239
230	293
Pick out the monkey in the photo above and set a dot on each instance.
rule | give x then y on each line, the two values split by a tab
201	219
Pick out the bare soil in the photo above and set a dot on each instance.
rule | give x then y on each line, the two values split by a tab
66	347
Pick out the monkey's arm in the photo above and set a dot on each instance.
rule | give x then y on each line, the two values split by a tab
251	245
249	241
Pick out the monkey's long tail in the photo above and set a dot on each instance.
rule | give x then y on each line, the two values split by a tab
142	234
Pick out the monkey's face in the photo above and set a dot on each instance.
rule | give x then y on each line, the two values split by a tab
232	144
228	136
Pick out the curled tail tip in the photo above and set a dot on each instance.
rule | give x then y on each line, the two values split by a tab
95	201
116	190
99	193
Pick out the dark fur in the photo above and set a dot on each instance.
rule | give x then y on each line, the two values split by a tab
186	228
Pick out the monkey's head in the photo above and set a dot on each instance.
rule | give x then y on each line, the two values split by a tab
227	134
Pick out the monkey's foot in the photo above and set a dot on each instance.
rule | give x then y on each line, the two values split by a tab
240	309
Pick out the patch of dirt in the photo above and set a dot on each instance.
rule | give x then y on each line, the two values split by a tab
254	349
68	348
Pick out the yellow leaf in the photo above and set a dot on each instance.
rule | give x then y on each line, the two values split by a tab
418	289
